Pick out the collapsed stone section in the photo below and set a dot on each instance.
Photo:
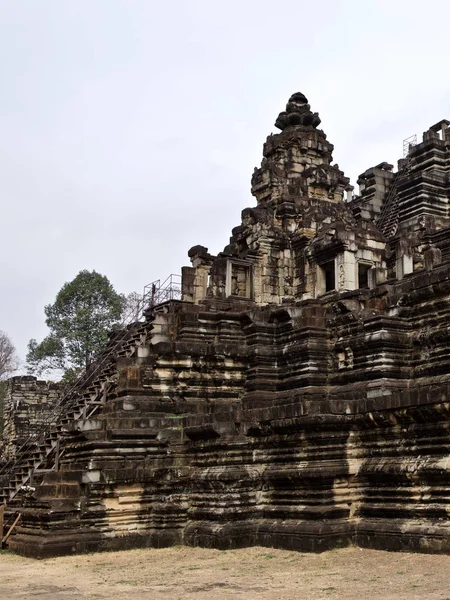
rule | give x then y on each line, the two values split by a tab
28	402
294	398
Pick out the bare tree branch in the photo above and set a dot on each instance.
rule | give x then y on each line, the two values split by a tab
9	361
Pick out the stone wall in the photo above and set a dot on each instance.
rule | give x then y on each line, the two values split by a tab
308	426
25	410
299	394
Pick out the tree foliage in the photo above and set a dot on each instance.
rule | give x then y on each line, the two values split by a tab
84	312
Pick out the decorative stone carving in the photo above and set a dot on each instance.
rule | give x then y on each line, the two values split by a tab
298	396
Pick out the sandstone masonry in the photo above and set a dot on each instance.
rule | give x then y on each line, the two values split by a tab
297	396
27	405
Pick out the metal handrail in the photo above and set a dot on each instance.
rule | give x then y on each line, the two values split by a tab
154	293
67	402
391	202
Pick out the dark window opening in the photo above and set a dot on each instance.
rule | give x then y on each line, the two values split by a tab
330	282
363	275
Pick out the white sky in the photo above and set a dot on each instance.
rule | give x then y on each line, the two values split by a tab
129	129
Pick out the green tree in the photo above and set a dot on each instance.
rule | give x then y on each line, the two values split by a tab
84	312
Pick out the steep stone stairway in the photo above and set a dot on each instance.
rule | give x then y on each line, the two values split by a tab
388	220
40	452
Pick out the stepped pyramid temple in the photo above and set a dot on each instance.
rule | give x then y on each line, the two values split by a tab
295	395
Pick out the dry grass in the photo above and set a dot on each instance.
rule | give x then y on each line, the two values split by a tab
254	574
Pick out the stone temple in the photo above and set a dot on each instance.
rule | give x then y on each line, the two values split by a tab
296	395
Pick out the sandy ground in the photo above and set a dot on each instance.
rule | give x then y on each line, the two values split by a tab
254	574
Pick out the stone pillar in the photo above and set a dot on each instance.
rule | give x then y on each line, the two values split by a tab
404	265
432	257
404	262
195	278
201	282
346	272
187	284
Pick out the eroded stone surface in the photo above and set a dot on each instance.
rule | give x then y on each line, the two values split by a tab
298	395
28	402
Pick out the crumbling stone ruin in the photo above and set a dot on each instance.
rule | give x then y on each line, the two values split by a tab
297	396
28	403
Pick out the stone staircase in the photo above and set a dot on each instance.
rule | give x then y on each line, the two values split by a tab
388	220
40	453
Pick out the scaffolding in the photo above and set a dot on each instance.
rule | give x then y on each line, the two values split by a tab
156	292
40	452
408	143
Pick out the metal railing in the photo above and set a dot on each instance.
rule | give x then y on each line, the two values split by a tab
157	292
17	471
387	222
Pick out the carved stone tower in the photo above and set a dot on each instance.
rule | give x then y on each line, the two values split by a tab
301	240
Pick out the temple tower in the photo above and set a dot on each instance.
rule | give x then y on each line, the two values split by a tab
301	240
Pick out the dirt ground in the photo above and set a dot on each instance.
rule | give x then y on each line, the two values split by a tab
254	574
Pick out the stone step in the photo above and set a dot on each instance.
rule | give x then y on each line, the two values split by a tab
87	402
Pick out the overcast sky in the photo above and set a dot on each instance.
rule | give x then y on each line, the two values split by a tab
129	129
